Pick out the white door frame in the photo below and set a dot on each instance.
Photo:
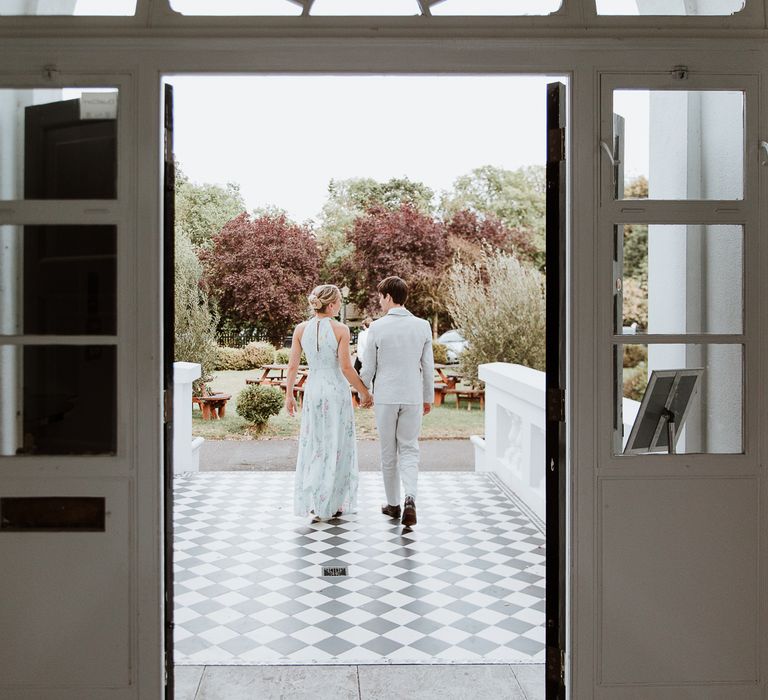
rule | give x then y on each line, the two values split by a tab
145	60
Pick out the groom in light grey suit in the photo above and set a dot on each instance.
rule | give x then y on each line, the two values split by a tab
398	369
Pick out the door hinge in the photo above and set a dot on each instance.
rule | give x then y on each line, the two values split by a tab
167	407
556	405
556	145
555	666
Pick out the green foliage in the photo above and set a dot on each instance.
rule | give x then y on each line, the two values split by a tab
282	355
440	352
634	355
499	306
231	358
635	380
349	199
195	322
515	197
259	353
203	209
257	403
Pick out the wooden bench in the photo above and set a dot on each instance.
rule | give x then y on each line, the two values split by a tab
213	406
440	391
470	396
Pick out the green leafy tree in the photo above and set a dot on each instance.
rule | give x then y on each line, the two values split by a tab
203	209
195	323
516	198
636	236
349	199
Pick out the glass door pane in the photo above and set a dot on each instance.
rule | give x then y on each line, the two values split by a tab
682	144
683	278
58	399
714	421
58	144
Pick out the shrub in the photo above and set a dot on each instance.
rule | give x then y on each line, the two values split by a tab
257	403
634	355
231	359
282	355
195	323
259	353
440	352
635	381
499	306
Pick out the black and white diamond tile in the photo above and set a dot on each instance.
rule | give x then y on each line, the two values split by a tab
465	585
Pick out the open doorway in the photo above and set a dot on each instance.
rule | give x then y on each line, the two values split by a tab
467	585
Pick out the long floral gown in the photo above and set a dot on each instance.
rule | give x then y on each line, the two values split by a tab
326	467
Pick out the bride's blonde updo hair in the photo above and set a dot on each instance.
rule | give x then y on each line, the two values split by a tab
321	297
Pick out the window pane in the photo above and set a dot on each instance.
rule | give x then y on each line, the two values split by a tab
365	7
68	7
58	400
58	279
236	7
681	278
471	8
681	144
713	423
58	144
669	7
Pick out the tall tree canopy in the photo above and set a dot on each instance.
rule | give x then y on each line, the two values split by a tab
516	198
349	199
403	242
260	271
203	209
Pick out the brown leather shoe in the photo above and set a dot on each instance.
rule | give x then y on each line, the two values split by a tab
409	512
391	511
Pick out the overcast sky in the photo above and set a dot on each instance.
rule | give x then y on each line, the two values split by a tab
283	138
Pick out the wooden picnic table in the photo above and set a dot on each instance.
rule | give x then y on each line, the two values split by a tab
450	380
273	379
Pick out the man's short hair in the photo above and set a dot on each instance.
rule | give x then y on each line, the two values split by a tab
395	287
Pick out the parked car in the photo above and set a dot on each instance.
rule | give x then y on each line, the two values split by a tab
454	344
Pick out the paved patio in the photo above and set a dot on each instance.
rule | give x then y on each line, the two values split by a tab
280	455
519	682
466	585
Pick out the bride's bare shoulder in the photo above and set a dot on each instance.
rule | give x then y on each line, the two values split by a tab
339	328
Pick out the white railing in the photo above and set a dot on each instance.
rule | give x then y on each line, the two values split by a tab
515	425
186	451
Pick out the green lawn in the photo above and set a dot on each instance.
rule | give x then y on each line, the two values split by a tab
444	422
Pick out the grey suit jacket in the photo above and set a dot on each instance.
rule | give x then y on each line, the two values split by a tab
398	365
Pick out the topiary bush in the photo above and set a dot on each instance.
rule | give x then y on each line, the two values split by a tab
440	352
258	403
259	353
231	359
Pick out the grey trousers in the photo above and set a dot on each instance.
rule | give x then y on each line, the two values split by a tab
399	426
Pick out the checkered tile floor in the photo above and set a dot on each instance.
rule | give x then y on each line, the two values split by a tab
465	585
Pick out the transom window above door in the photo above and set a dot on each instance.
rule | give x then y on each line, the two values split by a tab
360	8
689	8
93	8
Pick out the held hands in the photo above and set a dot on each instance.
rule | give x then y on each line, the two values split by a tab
290	405
366	400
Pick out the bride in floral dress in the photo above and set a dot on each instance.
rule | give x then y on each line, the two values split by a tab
326	467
